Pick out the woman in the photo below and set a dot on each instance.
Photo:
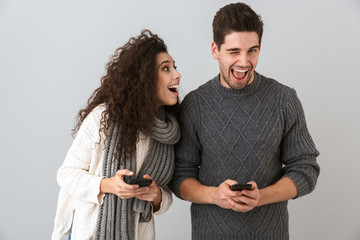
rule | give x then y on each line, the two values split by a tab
126	131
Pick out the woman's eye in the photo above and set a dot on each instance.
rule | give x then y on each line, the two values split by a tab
166	69
175	67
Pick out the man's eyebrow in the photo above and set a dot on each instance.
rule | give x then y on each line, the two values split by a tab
256	46
238	49
233	49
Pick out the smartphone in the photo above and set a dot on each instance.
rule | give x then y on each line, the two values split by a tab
239	187
142	182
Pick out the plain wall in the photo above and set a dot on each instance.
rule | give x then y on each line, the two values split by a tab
52	56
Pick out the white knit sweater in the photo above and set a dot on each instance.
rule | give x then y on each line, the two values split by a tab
79	179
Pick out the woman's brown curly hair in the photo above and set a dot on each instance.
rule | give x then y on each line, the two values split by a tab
129	91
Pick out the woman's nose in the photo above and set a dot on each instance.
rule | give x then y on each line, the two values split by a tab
177	75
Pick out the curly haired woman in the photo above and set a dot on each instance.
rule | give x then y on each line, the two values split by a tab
126	131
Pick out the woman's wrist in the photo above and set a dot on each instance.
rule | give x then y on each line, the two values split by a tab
157	201
105	185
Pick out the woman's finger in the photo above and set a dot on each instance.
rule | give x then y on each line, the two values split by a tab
124	172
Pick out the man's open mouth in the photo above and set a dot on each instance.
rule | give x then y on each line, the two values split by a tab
239	74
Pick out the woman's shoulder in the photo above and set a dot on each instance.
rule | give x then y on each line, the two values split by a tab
97	111
93	119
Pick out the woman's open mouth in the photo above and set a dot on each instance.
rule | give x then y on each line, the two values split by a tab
174	88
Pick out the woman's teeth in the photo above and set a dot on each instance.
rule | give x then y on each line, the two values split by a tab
173	88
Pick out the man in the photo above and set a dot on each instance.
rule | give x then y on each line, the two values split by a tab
242	127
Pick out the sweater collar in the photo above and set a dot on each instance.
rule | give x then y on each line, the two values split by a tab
247	89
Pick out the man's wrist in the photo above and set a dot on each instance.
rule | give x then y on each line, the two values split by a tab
211	194
262	196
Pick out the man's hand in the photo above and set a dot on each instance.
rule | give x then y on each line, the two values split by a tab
241	201
222	195
247	200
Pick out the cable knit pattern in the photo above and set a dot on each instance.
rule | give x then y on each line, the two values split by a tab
255	133
79	179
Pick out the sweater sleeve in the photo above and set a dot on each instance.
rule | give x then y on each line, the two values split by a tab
298	149
188	149
166	200
73	176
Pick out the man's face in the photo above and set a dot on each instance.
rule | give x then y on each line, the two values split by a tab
238	58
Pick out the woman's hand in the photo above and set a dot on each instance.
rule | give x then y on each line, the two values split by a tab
117	186
154	195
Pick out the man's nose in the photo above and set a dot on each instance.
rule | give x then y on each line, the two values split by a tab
243	59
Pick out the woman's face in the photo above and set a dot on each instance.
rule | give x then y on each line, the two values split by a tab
168	79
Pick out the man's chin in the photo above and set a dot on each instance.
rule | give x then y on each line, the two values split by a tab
239	84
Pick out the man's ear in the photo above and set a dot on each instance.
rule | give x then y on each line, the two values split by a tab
214	50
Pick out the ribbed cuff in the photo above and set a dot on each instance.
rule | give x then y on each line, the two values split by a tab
174	186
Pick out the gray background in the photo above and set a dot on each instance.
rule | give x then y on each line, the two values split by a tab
53	53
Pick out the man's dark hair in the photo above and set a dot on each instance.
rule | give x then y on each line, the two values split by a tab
235	17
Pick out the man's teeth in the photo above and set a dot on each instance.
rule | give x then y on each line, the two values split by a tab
240	70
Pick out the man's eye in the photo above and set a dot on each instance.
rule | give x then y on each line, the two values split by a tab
252	50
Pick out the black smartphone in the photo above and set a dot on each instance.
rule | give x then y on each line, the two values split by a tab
239	187
142	182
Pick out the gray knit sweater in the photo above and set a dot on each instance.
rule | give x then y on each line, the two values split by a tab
257	133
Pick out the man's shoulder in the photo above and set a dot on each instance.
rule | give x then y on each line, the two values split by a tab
271	83
205	87
195	98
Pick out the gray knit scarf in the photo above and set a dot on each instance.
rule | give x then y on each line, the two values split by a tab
116	215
